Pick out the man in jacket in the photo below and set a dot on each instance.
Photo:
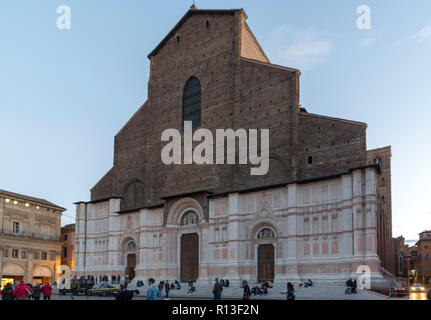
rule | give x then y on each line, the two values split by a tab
218	288
22	291
126	295
46	290
153	293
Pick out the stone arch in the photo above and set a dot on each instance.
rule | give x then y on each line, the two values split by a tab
43	271
133	195
124	249
182	206
261	224
265	232
13	269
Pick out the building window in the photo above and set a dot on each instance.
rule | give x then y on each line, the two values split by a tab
53	233
25	229
65	237
65	252
36	255
5	253
15	253
192	102
36	232
6	226
310	160
45	232
426	269
52	257
24	254
15	227
44	256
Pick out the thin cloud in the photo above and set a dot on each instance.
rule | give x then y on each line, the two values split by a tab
423	35
302	49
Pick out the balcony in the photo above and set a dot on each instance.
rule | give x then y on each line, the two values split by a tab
29	236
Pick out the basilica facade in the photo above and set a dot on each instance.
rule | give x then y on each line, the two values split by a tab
316	214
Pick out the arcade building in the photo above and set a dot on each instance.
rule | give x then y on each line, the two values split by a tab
30	244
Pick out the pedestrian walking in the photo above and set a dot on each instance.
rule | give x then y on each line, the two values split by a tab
167	288
37	290
217	290
153	293
246	294
47	291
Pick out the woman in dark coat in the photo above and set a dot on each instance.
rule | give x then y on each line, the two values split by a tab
247	292
8	293
37	290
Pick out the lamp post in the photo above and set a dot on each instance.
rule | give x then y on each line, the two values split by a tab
408	274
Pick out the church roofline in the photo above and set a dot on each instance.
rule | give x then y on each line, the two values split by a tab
269	64
98	200
259	47
188	14
308	114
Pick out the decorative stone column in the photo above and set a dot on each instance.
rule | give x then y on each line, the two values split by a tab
233	232
113	231
346	218
292	237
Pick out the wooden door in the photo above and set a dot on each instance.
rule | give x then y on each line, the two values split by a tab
265	262
131	264
189	257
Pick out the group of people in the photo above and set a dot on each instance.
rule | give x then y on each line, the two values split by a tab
351	286
306	284
115	279
258	289
23	291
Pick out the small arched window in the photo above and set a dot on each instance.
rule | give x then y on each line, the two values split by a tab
192	102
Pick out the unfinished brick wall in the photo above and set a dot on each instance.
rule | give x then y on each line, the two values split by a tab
237	92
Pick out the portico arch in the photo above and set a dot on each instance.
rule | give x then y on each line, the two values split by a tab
129	255
186	217
12	272
180	207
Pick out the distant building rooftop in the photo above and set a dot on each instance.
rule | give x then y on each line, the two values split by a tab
29	199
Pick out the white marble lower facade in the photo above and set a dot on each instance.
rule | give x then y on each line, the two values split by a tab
322	230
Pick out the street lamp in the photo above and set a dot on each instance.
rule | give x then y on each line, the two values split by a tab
408	274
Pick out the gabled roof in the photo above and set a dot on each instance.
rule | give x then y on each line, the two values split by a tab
29	199
188	14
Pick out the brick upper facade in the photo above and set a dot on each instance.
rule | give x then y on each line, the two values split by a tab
240	89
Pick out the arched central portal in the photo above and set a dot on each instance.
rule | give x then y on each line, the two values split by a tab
189	257
265	262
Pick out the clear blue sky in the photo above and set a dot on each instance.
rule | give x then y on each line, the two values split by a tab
65	94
